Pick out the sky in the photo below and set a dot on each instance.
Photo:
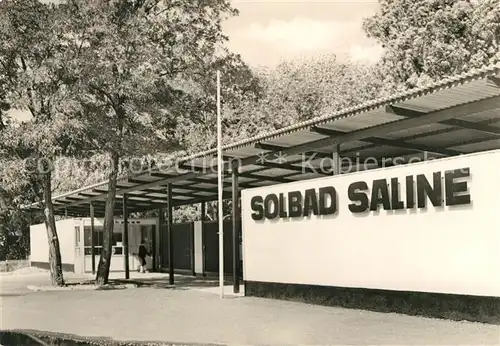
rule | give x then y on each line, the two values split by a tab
268	31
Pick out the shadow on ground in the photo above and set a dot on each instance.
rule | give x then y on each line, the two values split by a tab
35	337
11	295
181	282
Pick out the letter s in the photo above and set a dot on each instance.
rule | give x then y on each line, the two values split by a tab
355	195
257	207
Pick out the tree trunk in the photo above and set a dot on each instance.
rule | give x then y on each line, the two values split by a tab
55	262
3	224
106	251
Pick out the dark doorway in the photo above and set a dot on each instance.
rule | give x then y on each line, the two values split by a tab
183	241
211	243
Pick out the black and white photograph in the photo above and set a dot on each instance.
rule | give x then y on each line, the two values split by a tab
249	172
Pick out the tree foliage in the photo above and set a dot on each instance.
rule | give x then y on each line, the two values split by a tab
196	114
34	70
425	40
303	89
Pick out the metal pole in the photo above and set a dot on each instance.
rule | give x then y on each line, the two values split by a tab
30	220
125	236
336	159
92	242
203	215
236	231
170	236
220	214
153	249
161	221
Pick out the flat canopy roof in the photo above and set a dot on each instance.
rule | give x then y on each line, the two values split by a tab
458	115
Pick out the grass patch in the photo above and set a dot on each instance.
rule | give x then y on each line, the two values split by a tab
32	337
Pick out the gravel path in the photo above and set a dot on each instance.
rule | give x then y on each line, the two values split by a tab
197	316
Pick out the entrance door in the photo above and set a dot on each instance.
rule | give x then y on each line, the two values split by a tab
183	244
211	243
136	233
79	254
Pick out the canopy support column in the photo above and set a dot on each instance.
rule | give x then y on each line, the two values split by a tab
236	229
170	236
125	236
161	233
203	216
92	242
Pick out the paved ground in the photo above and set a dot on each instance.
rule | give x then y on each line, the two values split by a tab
199	315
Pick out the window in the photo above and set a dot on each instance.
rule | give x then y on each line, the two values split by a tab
98	234
117	237
77	236
147	234
97	251
116	240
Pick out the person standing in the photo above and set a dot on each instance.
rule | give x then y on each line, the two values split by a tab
143	252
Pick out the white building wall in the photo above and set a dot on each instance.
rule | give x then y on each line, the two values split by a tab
433	249
39	248
39	245
198	247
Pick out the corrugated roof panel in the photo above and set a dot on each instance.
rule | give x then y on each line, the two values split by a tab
316	162
358	149
453	97
183	182
202	193
164	195
204	185
147	178
295	138
244	179
179	191
490	114
139	199
473	147
378	151
263	183
352	145
184	198
361	121
276	172
243	151
415	131
444	141
157	201
156	188
295	158
209	176
306	176
249	168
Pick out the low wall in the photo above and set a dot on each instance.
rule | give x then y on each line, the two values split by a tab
66	267
437	305
11	265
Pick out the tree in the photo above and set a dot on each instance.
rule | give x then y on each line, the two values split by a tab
33	77
14	224
195	111
486	33
426	40
128	49
298	90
